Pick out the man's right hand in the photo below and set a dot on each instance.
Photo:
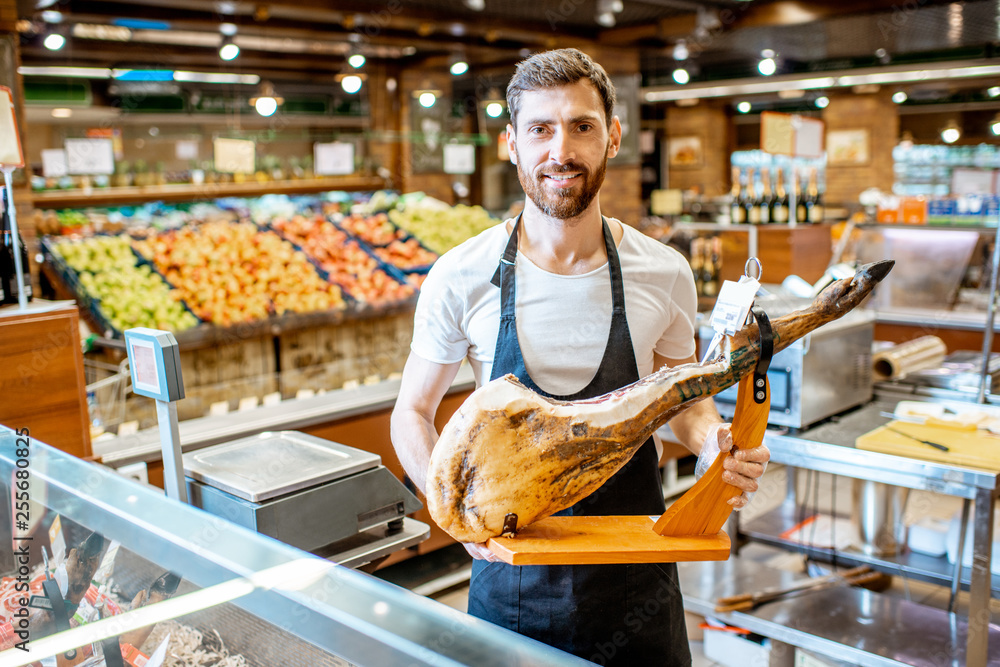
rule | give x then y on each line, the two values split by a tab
480	551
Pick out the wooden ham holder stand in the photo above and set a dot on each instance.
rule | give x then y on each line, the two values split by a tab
690	529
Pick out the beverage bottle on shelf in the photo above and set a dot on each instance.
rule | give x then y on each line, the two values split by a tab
711	266
697	260
737	214
779	212
8	266
801	209
751	201
766	201
815	199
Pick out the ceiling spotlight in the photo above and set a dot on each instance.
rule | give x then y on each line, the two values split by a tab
994	91
743	107
228	50
459	67
475	5
52	16
228	29
681	75
822	102
951	133
681	50
995	125
882	56
494	109
356	60
427	99
606	19
54	41
899	97
767	66
351	83
266	102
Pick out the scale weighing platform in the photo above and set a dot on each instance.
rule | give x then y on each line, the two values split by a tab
332	500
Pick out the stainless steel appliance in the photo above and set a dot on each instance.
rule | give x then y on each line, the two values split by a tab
823	374
321	496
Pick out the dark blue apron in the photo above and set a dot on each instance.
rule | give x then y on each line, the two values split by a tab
608	614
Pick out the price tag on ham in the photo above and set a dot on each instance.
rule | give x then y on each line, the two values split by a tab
731	309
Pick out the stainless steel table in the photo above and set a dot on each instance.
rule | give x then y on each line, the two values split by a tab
830	448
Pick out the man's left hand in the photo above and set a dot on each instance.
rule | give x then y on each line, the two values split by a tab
743	468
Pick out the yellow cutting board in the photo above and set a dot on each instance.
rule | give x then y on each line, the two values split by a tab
978	449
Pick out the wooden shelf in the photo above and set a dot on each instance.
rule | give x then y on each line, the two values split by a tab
190	192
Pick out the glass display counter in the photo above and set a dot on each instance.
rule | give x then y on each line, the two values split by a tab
214	587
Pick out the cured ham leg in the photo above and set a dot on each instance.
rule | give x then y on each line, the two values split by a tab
508	450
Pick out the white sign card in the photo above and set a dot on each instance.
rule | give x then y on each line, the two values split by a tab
808	136
972	181
333	159
10	141
186	149
54	162
459	159
90	156
235	156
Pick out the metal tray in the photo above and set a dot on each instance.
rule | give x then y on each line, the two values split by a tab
275	463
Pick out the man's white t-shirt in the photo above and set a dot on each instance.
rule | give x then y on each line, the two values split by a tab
563	322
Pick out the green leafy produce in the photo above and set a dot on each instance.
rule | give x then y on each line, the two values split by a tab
442	228
130	295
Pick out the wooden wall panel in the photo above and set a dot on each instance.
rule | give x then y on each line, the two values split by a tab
42	381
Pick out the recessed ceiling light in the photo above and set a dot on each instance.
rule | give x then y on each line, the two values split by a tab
54	41
356	60
227	29
494	109
743	107
427	100
899	97
459	67
995	125
767	66
994	91
822	102
266	106
681	75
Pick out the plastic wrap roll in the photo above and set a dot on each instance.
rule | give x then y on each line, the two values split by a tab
917	354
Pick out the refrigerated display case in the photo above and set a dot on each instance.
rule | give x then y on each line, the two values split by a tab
247	598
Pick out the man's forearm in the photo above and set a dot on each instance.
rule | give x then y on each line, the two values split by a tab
413	438
692	426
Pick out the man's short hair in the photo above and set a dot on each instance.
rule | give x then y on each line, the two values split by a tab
552	69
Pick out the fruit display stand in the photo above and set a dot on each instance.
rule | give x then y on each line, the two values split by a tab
244	350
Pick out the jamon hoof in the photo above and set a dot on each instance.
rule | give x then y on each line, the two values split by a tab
510	450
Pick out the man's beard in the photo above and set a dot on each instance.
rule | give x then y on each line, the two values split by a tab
568	203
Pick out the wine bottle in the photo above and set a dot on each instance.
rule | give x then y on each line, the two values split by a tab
712	265
697	261
8	266
752	202
766	201
801	209
815	198
779	213
737	214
